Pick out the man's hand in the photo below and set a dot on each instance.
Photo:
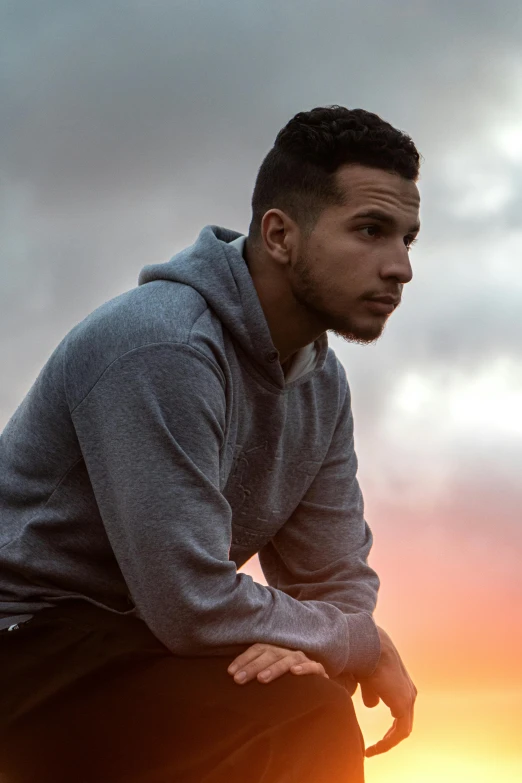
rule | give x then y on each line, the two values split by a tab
267	662
391	683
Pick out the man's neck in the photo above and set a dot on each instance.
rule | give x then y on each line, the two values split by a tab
291	325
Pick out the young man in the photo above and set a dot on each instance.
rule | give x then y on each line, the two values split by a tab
177	430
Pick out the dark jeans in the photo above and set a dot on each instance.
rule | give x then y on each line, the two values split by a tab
88	697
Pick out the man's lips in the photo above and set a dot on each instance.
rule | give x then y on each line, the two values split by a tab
382	305
386	299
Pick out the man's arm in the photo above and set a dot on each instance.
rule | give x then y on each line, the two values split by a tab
151	430
321	553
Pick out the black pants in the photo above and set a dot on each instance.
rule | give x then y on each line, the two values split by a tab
88	697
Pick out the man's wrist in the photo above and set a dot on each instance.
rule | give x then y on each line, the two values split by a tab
386	646
364	645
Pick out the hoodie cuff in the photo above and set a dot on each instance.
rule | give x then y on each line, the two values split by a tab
364	645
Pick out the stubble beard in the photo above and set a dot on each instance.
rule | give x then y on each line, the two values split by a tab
306	292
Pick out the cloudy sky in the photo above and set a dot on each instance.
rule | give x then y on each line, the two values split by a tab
128	126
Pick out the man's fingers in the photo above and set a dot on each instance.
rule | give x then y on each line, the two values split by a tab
399	731
266	663
296	663
253	652
263	662
369	695
309	667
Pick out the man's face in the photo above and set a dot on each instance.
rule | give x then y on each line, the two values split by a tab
349	273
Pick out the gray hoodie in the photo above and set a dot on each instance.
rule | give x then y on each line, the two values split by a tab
161	446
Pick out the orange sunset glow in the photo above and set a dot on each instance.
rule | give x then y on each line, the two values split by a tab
128	127
468	713
452	603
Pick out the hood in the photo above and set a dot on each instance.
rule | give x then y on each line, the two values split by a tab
220	275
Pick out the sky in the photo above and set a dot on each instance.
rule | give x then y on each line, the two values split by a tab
128	126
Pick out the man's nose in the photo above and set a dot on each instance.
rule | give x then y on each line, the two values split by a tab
398	266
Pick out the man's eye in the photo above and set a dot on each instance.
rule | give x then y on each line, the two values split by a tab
409	241
374	229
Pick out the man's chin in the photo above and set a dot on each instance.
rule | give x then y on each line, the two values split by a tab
364	332
357	338
362	336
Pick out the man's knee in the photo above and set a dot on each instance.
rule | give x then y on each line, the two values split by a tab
312	724
302	695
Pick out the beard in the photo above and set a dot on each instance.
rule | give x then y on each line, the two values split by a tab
307	291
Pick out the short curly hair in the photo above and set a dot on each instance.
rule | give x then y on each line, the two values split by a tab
298	174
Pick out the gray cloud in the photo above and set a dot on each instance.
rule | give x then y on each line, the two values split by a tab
101	97
127	126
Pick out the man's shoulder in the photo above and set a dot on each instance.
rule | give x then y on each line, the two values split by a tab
157	313
160	311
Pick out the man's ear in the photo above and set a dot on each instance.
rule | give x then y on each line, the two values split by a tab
276	228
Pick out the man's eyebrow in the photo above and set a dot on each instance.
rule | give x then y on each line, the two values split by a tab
383	217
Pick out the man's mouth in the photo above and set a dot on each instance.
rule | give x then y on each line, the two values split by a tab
386	299
382	305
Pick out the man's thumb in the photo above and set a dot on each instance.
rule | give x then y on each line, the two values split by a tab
369	696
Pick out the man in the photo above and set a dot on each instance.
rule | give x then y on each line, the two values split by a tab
177	430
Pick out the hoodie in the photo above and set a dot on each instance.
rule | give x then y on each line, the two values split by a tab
161	446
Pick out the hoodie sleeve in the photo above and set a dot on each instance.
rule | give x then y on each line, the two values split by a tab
151	431
321	553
